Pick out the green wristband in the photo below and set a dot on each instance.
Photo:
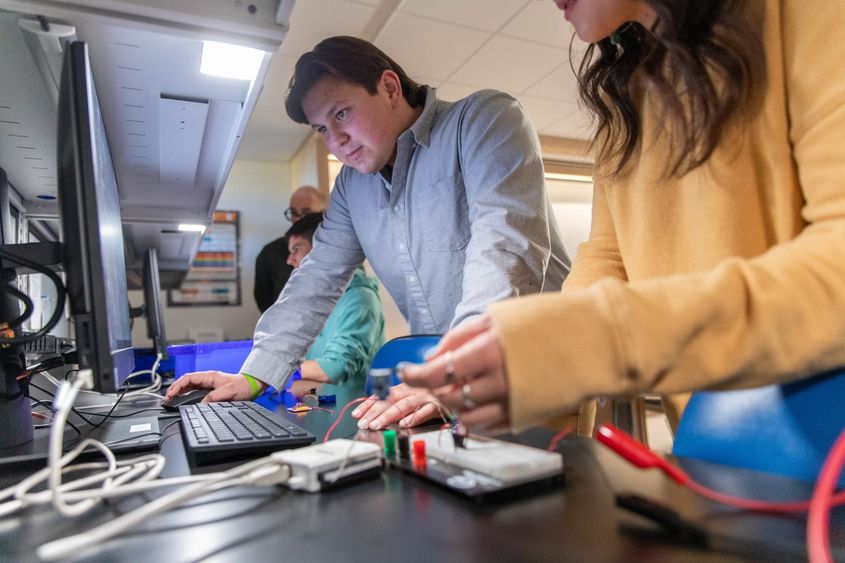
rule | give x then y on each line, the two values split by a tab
254	384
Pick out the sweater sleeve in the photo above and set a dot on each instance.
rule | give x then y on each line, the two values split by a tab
599	256
775	317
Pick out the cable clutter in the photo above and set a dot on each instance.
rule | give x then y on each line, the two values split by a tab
310	469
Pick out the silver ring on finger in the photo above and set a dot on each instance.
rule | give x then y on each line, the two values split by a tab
450	367
466	400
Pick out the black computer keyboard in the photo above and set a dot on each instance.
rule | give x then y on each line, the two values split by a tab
216	432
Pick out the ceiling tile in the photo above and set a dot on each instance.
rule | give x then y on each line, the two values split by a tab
542	111
272	143
560	84
313	20
541	21
509	64
408	41
479	14
452	91
574	125
270	108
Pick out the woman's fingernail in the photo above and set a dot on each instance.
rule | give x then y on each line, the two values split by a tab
375	425
356	413
404	423
363	424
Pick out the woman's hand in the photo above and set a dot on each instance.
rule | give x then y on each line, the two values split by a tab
226	386
404	405
467	374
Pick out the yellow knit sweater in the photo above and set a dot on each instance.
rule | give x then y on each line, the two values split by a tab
732	276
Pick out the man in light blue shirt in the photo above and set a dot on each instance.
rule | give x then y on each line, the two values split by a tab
446	200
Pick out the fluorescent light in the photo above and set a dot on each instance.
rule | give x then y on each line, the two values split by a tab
191	228
230	61
569	177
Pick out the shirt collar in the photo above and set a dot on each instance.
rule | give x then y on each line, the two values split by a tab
421	129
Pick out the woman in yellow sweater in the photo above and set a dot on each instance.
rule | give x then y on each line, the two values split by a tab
716	257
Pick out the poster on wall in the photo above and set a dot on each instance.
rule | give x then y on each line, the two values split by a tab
215	275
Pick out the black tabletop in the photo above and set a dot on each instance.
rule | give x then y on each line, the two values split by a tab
396	516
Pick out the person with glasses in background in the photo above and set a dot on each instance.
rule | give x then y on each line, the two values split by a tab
271	266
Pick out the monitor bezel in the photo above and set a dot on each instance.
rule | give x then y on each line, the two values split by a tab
81	224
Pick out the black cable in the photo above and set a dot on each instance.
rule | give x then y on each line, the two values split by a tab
127	415
60	299
163	437
45	365
28	306
49	404
82	415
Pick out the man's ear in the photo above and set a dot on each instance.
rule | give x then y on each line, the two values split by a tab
392	86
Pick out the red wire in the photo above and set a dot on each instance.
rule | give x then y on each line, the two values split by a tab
758	505
558	437
638	454
818	520
340	416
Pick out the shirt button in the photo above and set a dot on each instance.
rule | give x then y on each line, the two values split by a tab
401	246
397	208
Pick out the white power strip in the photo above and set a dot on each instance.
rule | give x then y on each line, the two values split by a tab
316	467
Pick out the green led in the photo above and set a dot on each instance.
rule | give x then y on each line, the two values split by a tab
389	442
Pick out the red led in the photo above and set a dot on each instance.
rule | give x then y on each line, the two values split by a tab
418	456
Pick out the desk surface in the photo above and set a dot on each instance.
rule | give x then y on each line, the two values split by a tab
395	516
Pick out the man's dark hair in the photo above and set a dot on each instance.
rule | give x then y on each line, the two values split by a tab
306	226
348	59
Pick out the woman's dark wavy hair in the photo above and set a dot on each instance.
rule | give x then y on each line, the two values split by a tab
702	60
352	60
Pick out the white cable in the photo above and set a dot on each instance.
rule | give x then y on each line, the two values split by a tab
150	390
265	471
114	480
155	376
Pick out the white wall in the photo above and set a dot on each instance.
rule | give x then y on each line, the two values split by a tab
303	166
260	191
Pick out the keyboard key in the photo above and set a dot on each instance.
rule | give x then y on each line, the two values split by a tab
236	430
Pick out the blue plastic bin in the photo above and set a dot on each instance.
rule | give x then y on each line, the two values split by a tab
221	356
227	357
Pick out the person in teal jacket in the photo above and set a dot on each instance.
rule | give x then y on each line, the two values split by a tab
354	330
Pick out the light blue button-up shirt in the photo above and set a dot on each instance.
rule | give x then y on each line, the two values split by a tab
462	221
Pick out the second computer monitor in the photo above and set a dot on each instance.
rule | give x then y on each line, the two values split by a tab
152	303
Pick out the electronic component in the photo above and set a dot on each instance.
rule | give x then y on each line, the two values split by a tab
404	446
338	461
379	381
418	457
482	467
495	458
299	407
389	437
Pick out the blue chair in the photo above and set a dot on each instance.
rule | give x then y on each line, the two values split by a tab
783	429
412	348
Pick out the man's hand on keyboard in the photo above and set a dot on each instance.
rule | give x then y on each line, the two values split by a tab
226	386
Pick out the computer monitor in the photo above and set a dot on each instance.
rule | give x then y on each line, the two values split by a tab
152	304
92	250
